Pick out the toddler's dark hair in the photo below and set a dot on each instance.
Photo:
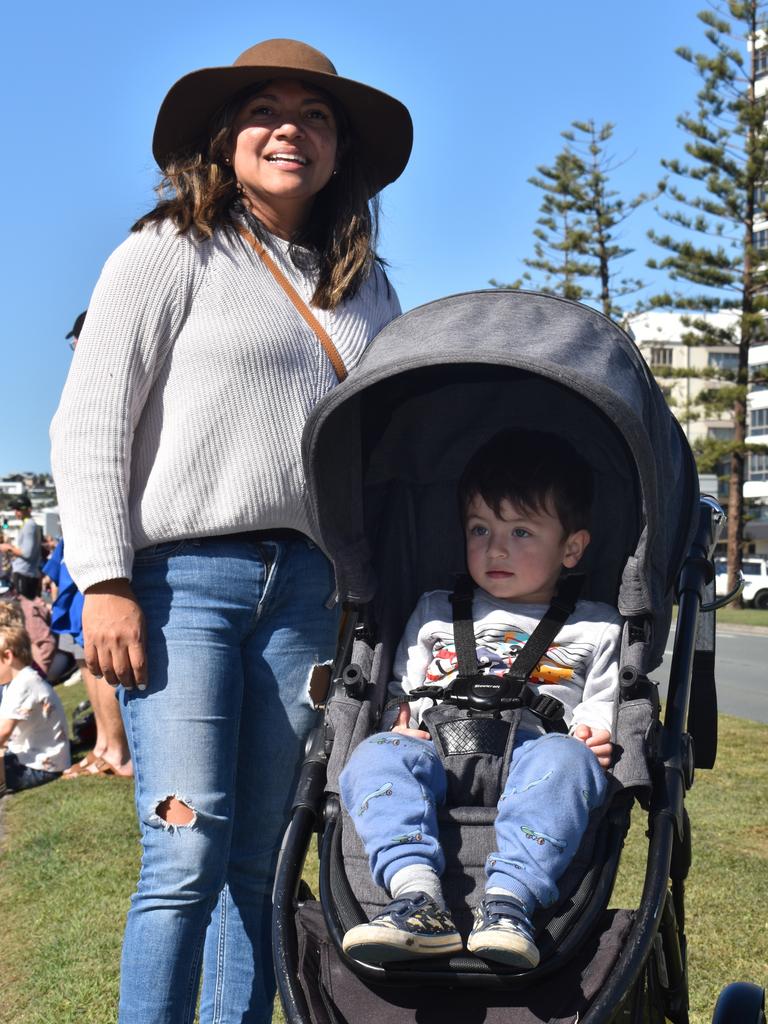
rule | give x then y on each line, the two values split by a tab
534	470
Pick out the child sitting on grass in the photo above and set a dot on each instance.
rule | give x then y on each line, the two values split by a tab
525	499
33	726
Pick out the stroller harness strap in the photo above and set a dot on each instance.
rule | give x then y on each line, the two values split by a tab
514	681
475	725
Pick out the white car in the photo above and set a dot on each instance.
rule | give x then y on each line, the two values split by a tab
755	571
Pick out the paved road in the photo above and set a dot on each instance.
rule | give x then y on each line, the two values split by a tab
741	673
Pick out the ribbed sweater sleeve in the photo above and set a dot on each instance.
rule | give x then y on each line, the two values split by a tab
134	314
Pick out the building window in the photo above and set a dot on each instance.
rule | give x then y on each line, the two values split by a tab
661	355
758	467
723	360
761	196
760	239
761	62
758	422
720	433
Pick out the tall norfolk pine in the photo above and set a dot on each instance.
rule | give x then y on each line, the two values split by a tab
560	234
603	211
713	245
577	244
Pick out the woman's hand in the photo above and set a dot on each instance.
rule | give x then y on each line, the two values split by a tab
113	628
401	724
598	741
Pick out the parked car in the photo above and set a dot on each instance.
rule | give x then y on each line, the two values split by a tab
756	580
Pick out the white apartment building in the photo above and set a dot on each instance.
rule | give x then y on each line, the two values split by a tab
658	336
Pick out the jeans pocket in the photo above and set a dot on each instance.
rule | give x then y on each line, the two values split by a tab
157	552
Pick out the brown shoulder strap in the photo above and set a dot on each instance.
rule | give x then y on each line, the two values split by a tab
322	335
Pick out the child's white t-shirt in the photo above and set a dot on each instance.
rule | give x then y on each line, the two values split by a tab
40	737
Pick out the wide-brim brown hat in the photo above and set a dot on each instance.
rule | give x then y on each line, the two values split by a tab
382	125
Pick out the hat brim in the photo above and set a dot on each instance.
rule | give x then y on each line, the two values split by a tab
382	124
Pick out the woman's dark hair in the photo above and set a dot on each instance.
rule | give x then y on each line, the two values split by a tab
535	471
198	193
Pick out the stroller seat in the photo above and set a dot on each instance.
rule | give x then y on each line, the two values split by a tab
350	897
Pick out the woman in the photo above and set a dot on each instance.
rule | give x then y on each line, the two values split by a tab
176	450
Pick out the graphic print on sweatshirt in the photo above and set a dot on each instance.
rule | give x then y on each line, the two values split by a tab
498	646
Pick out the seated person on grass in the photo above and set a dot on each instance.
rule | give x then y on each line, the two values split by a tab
33	726
525	499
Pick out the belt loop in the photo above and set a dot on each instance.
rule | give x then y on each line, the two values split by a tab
268	552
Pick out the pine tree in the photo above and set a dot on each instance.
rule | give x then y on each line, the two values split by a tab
560	235
576	235
716	246
603	211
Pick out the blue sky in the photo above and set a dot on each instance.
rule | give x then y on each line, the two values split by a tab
490	85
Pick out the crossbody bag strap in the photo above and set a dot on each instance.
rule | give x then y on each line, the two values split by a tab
301	307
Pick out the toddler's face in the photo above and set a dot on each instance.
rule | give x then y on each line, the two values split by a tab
519	555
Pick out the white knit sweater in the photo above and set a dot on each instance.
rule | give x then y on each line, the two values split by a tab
184	406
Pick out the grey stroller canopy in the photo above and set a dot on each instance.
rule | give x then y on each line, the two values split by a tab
383	452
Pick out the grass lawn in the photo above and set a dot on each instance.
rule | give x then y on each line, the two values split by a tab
70	854
742	616
730	616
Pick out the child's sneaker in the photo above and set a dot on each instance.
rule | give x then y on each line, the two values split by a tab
409	927
503	932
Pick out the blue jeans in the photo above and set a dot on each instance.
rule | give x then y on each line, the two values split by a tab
392	784
19	776
234	626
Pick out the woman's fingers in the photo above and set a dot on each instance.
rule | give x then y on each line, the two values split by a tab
113	626
92	662
138	662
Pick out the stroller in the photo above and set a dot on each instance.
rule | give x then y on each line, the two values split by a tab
383	453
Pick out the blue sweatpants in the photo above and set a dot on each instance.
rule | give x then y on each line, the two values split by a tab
392	786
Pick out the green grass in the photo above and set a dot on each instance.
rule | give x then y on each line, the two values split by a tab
727	888
69	860
731	616
742	616
70	856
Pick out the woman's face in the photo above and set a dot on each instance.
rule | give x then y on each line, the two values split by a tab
283	152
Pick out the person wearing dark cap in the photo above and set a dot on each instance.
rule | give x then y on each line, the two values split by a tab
236	304
77	329
26	552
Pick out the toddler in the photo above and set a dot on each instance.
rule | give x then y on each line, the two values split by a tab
525	499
